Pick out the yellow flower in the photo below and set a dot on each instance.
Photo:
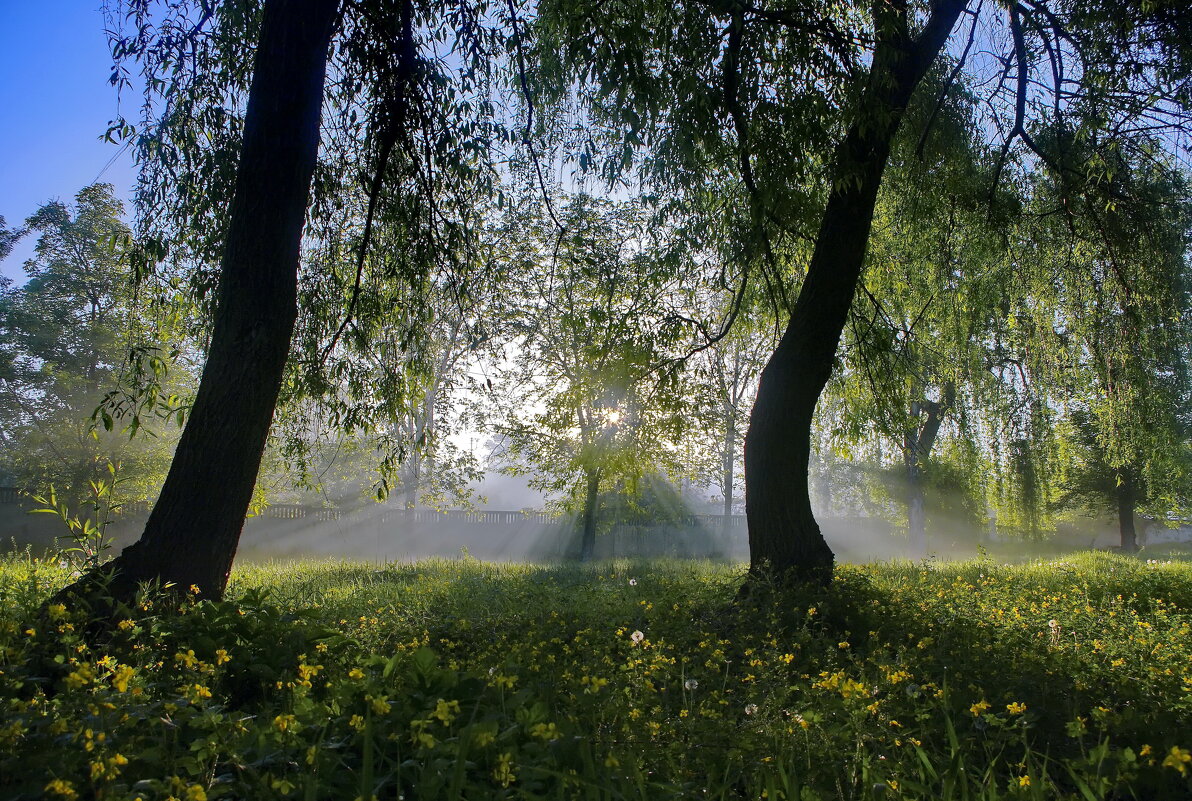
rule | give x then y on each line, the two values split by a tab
221	656
283	722
1145	750
125	625
80	677
978	708
1024	781
121	677
445	711
1015	708
57	611
355	673
379	705
1178	759
62	788
503	772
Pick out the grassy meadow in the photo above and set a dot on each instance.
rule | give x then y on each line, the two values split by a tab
460	679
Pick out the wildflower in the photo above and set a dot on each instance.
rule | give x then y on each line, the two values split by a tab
751	709
1178	759
445	711
221	656
379	705
503	772
283	722
80	677
62	788
355	673
637	637
197	692
1145	750
121	677
978	708
356	722
57	611
632	582
690	684
1024	781
545	731
307	672
125	625
1015	708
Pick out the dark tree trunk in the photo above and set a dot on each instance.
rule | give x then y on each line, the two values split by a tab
193	531
1127	498
587	542
784	537
916	451
916	517
728	463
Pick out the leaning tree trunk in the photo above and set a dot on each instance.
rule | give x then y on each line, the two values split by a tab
192	533
784	537
1127	499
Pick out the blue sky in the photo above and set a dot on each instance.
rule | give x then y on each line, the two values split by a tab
56	101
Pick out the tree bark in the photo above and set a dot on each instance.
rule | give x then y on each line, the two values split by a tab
1127	498
784	537
728	461
193	531
587	543
917	446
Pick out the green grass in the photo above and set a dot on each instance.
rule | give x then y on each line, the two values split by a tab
459	679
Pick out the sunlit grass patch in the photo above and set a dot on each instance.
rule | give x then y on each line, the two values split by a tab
463	679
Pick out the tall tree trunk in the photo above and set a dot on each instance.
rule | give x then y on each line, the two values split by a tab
587	542
1127	498
916	517
917	447
784	537
193	531
728	462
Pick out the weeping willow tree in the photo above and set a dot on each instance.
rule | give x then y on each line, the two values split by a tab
588	403
307	166
917	394
800	103
1104	253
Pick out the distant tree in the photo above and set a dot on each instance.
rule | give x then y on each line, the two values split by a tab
802	104
585	400
64	339
1109	304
